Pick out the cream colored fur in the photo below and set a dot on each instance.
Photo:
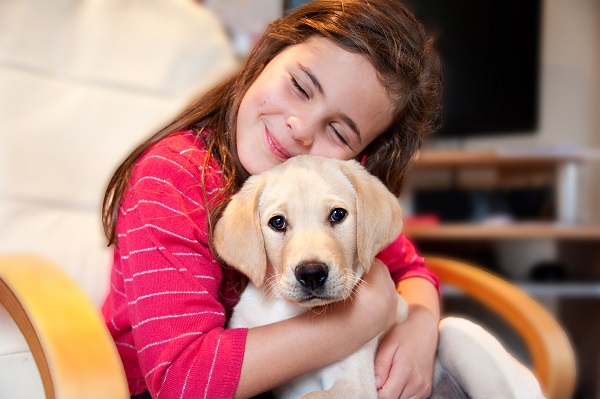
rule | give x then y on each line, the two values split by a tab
318	257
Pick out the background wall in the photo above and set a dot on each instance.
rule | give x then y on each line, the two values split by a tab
569	118
570	93
245	19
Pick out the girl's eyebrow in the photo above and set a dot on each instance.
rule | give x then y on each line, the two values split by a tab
353	126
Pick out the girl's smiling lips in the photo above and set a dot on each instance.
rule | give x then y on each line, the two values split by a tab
275	147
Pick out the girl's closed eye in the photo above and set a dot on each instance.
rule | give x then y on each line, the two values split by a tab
299	88
339	135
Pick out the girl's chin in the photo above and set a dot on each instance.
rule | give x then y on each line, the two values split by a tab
253	167
270	164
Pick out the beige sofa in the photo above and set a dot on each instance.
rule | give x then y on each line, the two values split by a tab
81	82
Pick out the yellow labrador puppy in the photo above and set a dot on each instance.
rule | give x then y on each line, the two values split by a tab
304	232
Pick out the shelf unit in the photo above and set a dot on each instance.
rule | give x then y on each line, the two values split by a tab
575	300
510	167
546	290
524	230
562	167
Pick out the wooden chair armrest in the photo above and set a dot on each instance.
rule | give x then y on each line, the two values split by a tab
551	352
73	350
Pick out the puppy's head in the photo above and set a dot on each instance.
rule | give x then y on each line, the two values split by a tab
310	227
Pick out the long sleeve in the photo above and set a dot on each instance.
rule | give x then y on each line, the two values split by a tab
163	308
402	260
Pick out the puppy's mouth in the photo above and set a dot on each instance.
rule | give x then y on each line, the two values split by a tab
311	299
308	298
315	300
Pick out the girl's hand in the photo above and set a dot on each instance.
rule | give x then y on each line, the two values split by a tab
405	358
375	300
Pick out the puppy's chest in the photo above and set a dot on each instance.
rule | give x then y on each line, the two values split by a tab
256	308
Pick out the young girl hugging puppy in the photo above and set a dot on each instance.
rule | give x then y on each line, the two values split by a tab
344	79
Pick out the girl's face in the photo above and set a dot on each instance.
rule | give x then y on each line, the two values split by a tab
312	98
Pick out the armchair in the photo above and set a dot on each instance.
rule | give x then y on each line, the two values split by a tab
74	353
548	345
76	357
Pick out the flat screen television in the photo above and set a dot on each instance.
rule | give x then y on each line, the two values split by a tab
490	53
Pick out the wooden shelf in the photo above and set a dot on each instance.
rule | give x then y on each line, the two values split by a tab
491	158
469	231
544	290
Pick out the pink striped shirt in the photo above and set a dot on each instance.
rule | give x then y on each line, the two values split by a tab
169	299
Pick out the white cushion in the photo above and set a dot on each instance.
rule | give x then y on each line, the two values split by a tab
71	237
83	82
21	379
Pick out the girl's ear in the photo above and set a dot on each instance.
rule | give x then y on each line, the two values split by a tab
238	237
379	215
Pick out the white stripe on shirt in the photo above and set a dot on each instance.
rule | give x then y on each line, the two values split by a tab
175	316
139	298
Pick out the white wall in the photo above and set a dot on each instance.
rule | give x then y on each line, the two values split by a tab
246	19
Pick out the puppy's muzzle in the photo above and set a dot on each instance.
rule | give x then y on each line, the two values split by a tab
311	275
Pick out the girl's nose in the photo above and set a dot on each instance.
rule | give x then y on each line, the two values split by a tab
301	131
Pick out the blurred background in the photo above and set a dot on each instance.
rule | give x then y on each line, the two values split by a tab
509	183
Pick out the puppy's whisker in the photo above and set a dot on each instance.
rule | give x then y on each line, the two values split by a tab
271	281
271	291
319	310
353	294
362	281
351	283
351	280
271	286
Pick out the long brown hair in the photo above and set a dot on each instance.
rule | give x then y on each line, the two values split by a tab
384	31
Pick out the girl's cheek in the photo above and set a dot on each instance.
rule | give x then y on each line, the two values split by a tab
330	150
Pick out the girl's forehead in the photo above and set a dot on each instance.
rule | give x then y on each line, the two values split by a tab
321	46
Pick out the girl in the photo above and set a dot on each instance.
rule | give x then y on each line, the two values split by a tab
342	79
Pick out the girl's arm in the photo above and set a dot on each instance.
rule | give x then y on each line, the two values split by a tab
404	361
278	352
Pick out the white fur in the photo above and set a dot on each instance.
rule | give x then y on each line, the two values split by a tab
481	365
352	377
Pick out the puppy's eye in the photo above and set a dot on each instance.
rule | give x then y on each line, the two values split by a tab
277	223
337	215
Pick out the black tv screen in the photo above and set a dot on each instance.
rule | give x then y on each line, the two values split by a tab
490	54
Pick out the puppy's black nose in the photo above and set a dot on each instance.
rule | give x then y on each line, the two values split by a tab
311	275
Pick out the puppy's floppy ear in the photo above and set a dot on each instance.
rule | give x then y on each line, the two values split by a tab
238	237
379	215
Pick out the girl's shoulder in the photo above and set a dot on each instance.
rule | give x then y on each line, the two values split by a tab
181	158
185	149
178	145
